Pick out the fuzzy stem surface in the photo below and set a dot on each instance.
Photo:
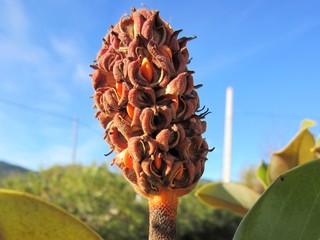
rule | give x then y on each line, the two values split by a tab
162	216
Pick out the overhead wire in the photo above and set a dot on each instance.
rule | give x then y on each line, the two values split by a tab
48	113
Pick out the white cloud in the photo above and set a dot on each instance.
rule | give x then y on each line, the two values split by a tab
299	30
81	75
8	85
15	43
26	63
229	58
13	19
31	71
66	48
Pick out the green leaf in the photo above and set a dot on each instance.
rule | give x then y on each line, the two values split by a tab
288	210
234	196
23	216
261	174
298	151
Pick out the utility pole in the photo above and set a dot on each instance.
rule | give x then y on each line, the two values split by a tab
74	139
226	172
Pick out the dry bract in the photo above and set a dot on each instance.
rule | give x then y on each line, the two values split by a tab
147	103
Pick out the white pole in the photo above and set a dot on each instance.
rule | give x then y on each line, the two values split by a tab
227	137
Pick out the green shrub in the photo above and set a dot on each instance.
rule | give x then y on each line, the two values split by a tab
106	202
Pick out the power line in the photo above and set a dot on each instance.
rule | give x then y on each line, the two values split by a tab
75	121
33	109
48	113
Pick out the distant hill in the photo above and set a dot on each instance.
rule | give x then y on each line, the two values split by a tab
7	168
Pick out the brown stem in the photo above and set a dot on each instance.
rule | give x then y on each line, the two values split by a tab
162	216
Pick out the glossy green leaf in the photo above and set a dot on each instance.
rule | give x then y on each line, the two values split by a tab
298	151
288	210
261	174
234	196
23	216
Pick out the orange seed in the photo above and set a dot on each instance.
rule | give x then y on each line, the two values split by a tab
127	159
119	89
146	69
130	110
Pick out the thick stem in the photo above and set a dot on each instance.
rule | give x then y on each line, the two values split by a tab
162	216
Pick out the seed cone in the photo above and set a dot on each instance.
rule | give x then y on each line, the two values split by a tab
147	103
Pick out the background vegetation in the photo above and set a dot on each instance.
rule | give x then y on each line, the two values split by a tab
106	202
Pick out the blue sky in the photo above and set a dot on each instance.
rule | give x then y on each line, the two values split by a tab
268	51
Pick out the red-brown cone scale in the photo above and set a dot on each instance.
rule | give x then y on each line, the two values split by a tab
147	103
